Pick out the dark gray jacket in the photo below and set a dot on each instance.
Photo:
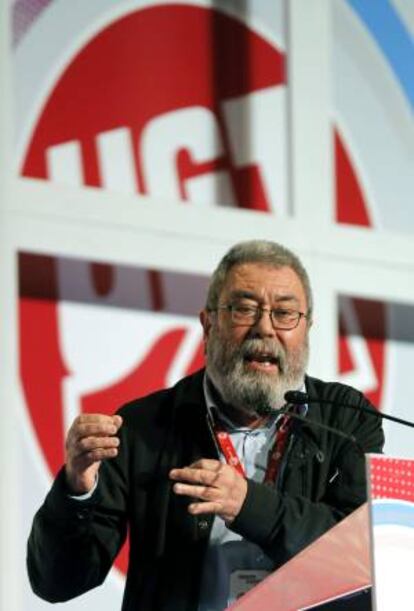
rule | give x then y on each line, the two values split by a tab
72	548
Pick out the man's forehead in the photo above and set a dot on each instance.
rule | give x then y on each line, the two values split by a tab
261	274
254	279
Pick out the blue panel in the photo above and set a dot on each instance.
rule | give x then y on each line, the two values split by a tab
394	512
391	35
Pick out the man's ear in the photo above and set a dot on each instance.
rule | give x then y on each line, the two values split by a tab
205	320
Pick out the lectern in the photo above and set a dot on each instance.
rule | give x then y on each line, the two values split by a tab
366	561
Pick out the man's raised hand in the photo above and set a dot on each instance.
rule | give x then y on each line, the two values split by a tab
91	439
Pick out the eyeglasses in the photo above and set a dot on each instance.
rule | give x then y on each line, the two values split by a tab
248	316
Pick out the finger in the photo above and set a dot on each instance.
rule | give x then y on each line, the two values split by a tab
194	476
87	444
204	508
85	460
90	425
206	493
208	464
91	430
89	418
117	420
94	429
97	419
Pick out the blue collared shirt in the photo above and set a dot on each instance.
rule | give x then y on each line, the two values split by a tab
233	564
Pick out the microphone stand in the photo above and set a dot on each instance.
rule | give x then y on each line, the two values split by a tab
285	410
296	397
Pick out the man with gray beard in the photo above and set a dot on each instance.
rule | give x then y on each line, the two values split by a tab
218	484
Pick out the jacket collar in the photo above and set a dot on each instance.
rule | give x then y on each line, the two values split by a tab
191	412
308	430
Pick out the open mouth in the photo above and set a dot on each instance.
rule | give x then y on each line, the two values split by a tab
262	360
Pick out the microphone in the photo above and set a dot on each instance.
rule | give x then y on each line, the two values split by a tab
296	397
265	409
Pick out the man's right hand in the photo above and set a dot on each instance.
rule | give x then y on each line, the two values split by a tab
91	439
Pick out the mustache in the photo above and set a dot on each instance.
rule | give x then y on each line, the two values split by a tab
258	347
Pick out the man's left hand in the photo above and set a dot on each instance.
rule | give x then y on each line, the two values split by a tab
219	487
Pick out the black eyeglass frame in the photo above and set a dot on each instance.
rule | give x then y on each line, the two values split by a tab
259	311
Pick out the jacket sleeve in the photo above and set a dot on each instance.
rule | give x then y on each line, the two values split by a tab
73	543
283	523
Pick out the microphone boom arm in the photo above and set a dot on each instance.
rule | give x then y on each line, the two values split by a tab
296	397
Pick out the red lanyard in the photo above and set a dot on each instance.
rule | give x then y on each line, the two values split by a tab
278	449
275	455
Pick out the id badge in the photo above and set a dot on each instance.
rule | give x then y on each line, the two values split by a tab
244	580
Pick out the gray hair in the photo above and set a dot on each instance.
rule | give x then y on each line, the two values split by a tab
257	251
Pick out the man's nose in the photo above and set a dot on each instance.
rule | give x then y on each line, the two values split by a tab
264	325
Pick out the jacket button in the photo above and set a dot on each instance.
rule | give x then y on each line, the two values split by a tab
320	456
82	514
203	525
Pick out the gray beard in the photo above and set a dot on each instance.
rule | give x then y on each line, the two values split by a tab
253	392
